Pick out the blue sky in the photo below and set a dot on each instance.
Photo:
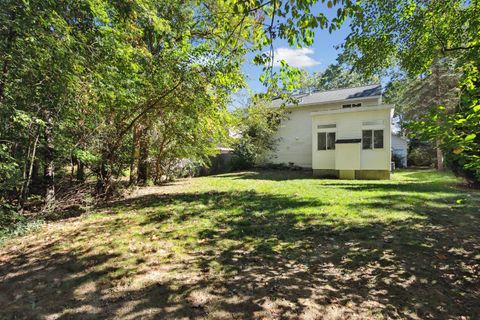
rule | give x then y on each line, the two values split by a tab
315	58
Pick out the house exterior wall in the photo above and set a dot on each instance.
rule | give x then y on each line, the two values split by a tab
295	135
347	156
349	125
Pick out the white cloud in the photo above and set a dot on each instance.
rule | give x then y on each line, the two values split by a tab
298	58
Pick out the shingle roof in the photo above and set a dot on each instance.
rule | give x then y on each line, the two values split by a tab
373	90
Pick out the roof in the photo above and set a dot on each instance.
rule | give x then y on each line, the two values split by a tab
370	91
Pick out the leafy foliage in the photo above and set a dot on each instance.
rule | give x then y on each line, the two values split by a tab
416	39
421	154
459	130
415	97
256	127
103	88
335	76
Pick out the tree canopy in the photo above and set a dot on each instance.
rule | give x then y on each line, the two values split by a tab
335	76
415	39
128	87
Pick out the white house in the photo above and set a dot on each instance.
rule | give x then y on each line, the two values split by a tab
344	133
400	148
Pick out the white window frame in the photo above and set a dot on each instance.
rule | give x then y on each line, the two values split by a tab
327	132
372	144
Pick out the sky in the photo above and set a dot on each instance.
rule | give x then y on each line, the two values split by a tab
315	58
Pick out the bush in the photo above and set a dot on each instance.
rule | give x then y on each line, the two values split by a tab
421	154
398	160
459	166
257	125
13	223
245	152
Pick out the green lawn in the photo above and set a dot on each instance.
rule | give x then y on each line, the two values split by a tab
257	245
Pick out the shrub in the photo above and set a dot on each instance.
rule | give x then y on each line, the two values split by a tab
398	160
257	125
13	223
421	154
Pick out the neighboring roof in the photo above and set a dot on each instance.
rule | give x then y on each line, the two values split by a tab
370	91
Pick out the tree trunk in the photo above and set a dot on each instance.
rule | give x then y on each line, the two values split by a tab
49	163
104	182
142	176
438	102
72	167
158	162
36	167
28	178
440	166
135	154
158	174
9	43
80	171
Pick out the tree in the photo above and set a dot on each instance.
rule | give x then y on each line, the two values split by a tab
415	37
256	126
37	83
79	78
458	132
335	76
410	35
414	98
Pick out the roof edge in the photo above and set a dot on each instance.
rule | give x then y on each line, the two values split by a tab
331	101
352	110
338	89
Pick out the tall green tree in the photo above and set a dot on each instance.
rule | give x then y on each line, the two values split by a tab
79	77
335	76
256	126
414	38
415	98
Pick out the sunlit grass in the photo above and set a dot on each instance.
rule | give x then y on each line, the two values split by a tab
236	229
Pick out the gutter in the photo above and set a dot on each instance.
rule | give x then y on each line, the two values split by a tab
300	104
352	110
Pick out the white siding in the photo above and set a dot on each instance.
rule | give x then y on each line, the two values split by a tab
295	140
295	134
400	147
349	126
347	156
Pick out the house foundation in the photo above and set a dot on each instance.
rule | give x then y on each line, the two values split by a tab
352	174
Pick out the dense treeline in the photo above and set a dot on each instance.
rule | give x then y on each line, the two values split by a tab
110	88
103	86
107	89
432	49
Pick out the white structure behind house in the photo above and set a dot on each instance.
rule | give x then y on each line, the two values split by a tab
344	133
400	148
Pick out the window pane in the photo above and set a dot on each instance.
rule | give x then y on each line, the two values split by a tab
367	139
331	141
347	106
378	139
322	140
356	105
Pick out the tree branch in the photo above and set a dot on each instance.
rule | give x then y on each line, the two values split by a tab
461	48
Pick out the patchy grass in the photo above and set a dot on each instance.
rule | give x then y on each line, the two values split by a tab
257	245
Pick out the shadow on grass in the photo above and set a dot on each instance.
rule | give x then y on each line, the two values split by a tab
254	255
274	175
417	175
